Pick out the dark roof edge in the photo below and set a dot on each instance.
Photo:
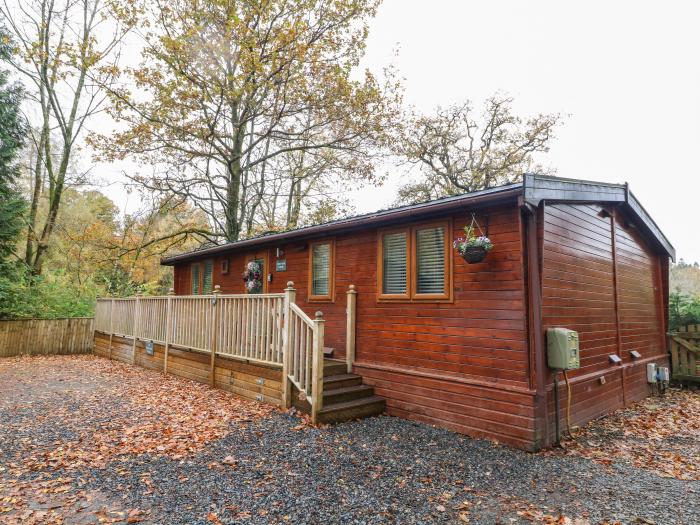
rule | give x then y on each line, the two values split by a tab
541	187
510	191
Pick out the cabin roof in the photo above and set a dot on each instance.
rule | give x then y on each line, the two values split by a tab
532	190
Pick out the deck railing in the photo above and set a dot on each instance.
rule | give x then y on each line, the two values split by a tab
269	329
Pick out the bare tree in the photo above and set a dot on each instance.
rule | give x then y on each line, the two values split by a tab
67	53
456	154
227	89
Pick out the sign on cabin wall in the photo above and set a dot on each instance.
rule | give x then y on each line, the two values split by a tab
281	265
149	347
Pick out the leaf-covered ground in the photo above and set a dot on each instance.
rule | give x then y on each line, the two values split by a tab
661	434
85	440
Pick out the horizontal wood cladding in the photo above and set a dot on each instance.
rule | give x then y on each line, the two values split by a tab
591	399
247	380
481	332
601	278
478	410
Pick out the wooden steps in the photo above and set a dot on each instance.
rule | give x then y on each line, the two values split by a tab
344	395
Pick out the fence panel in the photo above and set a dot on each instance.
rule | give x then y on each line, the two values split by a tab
685	354
103	312
190	322
152	318
123	311
46	336
250	327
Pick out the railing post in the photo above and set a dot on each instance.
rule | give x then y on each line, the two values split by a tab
214	338
350	327
111	327
317	368
168	328
290	295
135	326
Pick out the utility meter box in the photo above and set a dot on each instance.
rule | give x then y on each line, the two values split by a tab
562	349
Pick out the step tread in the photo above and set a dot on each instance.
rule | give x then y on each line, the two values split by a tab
335	407
337	392
340	377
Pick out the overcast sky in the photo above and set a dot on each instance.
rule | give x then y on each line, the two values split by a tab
626	73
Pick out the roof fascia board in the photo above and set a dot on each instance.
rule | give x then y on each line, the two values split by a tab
538	188
406	213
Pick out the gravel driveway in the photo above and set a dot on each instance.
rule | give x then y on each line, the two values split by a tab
269	467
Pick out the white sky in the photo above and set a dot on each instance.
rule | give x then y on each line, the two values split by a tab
625	72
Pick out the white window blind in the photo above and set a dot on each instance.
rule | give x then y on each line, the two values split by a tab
430	260
195	279
207	278
394	264
320	269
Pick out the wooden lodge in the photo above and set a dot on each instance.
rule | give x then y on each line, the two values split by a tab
408	326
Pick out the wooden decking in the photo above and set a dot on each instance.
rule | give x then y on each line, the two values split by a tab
203	337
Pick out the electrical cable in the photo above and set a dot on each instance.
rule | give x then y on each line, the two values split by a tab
573	431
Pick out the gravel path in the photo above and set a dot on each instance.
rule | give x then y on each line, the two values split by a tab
380	470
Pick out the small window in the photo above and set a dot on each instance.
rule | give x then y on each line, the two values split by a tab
225	265
194	275
321	271
395	264
415	263
207	277
430	260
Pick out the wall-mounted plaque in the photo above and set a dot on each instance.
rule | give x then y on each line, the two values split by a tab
281	265
149	347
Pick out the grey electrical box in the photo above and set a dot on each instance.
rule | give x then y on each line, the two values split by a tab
562	349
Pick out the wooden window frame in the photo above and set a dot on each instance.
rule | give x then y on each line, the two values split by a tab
200	280
330	297
411	294
380	265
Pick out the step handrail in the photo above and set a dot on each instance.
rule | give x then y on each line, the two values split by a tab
303	354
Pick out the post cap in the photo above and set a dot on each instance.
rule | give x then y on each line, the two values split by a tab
171	291
351	288
217	288
290	284
319	315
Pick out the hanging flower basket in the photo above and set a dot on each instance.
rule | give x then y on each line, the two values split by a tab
474	254
471	247
252	276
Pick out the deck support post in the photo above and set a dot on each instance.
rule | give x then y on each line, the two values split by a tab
111	328
168	328
214	336
350	328
317	368
134	328
290	295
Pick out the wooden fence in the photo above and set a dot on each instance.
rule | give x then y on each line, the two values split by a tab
685	354
46	336
267	329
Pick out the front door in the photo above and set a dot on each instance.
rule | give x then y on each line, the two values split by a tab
256	273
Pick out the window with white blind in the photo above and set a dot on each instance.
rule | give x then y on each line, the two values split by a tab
415	263
430	260
321	271
194	277
395	264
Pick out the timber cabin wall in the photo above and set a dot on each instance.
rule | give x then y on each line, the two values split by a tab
462	365
601	278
